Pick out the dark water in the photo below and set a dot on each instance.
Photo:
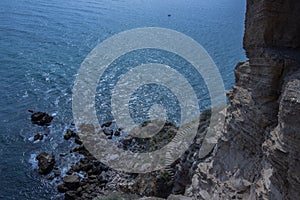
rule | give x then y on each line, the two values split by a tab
42	46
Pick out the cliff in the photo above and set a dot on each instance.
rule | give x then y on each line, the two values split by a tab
258	156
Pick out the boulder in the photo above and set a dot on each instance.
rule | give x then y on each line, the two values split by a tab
46	162
72	182
41	118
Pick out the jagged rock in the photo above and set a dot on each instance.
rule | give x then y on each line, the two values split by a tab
41	118
45	162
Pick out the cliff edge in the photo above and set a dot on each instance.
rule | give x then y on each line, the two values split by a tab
258	156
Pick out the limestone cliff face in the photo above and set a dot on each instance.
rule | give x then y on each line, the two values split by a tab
258	156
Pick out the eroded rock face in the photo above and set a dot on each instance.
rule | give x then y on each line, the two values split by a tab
284	145
258	156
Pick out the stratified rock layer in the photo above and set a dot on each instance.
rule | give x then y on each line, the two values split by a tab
258	155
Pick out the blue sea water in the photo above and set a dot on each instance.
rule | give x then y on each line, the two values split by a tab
42	44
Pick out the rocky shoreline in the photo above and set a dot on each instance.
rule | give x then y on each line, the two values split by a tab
89	178
257	153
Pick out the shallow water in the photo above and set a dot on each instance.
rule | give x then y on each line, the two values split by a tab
42	46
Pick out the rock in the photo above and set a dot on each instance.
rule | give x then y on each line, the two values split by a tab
109	137
50	178
45	163
38	137
62	154
178	197
70	195
79	190
93	177
117	133
57	173
69	133
62	188
78	141
108	132
41	118
118	196
156	183
72	182
150	198
107	124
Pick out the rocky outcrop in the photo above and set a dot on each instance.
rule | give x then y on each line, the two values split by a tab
46	162
41	118
258	155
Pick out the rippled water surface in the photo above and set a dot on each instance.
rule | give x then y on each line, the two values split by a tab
43	44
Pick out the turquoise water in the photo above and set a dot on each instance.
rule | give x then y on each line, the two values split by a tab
42	46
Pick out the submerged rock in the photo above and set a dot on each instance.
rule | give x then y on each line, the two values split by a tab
45	163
